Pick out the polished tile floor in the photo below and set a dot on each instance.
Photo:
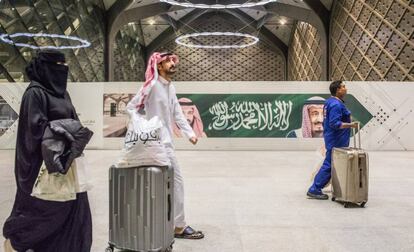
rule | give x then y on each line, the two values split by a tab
247	201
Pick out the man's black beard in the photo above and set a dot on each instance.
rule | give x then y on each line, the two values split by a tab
169	73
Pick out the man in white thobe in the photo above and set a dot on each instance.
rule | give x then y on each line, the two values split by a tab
157	97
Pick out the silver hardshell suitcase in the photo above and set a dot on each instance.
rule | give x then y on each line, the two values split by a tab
141	214
350	174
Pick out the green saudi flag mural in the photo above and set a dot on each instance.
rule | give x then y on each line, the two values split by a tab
260	115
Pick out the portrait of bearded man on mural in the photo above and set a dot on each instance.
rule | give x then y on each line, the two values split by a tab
193	117
312	119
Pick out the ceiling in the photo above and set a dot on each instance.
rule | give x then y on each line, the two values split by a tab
279	26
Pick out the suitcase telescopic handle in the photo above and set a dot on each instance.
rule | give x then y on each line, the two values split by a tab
355	135
169	207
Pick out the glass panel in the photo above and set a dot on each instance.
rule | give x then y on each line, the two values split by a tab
80	18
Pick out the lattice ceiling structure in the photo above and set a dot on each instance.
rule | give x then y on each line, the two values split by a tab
279	25
307	39
159	23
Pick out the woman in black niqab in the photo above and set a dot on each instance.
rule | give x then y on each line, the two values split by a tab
38	224
50	71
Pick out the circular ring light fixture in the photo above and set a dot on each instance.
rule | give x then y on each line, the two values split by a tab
205	34
218	6
6	38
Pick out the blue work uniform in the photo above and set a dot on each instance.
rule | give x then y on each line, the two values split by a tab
335	113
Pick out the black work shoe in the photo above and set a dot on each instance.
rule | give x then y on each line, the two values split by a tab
321	196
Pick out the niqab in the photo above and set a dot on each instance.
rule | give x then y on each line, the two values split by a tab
45	70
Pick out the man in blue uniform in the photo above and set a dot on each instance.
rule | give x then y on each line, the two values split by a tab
336	133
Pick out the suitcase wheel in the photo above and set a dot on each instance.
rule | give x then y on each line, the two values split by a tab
363	204
169	249
333	199
109	249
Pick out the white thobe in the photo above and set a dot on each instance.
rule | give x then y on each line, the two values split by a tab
162	102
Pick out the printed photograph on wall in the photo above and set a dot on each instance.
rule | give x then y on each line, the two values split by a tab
266	115
7	116
312	119
115	117
193	117
240	115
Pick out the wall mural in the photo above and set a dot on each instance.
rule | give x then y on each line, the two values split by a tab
239	115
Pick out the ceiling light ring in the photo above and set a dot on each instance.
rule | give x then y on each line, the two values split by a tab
218	6
179	39
6	38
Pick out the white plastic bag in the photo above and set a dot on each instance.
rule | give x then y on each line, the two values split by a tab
82	176
143	144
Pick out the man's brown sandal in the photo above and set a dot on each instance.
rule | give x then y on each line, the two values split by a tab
189	233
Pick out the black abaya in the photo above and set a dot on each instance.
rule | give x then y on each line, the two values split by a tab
41	225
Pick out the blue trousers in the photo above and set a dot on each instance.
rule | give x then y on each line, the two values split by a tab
323	176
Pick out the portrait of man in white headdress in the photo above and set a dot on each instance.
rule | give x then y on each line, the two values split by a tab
312	119
193	117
